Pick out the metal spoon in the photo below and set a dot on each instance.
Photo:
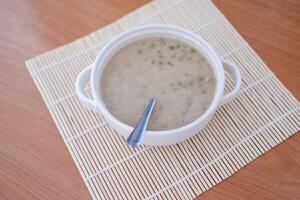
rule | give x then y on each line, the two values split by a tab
139	130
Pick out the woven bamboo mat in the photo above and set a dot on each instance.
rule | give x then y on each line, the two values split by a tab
264	114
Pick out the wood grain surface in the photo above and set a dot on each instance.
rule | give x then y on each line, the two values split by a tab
35	163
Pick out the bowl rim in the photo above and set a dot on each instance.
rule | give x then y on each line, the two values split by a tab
144	31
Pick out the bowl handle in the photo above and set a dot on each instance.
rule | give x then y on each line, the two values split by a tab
80	84
235	72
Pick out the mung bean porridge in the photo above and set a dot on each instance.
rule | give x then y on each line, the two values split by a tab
174	73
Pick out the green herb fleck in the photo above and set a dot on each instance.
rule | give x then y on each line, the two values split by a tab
151	46
140	51
200	80
169	63
193	50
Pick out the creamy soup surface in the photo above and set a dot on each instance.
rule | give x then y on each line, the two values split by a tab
172	72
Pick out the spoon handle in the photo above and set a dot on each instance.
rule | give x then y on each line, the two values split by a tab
139	130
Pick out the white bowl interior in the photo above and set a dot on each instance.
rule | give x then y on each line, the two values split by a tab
157	31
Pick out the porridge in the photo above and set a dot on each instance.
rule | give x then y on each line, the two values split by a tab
174	73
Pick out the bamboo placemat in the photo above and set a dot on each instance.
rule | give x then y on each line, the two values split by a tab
264	114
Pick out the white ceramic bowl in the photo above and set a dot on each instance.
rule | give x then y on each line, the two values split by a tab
165	137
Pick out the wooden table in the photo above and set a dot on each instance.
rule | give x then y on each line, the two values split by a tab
35	163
